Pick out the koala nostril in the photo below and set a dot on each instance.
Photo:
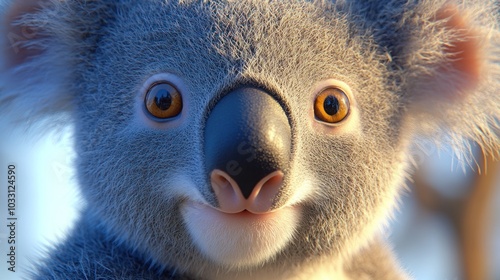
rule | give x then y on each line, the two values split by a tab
231	199
227	192
262	198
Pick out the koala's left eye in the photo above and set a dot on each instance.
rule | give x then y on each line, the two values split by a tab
163	101
331	105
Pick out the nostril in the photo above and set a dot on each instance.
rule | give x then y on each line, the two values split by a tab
227	192
220	181
268	186
231	199
265	192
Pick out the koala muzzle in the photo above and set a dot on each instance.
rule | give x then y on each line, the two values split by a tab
247	146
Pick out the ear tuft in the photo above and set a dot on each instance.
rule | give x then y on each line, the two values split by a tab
457	89
463	50
16	48
35	65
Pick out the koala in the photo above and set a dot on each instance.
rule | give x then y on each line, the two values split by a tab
246	139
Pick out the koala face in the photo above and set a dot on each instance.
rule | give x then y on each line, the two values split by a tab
244	136
337	178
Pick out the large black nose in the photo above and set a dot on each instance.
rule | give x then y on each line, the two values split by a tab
248	137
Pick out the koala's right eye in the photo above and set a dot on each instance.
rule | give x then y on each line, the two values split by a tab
163	101
331	105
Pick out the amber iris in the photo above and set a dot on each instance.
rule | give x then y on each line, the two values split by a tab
163	101
331	105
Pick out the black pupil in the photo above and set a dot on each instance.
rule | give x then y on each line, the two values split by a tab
163	99
331	105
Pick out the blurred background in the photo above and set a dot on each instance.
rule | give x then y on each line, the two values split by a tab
447	227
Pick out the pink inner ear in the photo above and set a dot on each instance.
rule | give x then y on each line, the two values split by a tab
16	35
464	53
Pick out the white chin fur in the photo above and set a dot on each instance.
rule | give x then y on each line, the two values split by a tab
239	240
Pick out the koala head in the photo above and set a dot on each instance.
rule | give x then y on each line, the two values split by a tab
241	134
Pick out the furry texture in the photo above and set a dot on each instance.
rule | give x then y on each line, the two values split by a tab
407	67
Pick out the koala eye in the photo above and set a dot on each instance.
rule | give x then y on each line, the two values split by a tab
331	105
163	101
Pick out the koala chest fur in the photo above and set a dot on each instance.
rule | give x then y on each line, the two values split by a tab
246	139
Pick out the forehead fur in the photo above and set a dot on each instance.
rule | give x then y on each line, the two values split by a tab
268	39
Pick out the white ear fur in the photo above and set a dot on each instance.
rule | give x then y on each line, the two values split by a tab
35	68
462	63
460	93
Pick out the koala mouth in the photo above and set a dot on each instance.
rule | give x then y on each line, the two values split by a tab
243	239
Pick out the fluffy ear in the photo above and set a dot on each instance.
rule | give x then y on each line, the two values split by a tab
34	64
16	36
43	45
445	60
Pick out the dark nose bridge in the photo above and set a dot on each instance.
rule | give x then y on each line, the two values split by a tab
248	136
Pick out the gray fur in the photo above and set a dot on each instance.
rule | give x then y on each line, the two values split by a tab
94	56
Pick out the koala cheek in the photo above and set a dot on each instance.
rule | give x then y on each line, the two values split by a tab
243	239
